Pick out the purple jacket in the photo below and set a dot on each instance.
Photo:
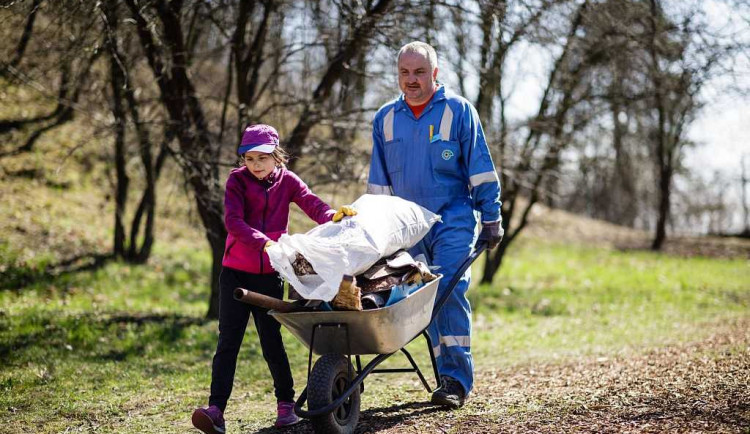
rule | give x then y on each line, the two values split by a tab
257	211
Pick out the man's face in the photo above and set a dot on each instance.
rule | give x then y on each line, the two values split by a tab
415	78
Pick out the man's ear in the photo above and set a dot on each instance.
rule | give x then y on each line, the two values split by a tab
434	74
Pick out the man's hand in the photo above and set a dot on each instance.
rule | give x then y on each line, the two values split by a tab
344	211
492	232
268	244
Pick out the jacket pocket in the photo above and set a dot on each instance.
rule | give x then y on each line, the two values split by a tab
243	258
445	156
231	242
394	156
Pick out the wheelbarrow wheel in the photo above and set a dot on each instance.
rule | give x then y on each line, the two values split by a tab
329	379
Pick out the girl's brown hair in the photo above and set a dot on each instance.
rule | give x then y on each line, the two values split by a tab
279	155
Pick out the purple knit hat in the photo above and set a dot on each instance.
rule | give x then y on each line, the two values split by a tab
260	138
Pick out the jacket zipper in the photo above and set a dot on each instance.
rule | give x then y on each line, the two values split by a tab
263	225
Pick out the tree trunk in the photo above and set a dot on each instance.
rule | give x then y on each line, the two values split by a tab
122	90
660	138
24	41
665	180
217	254
492	261
746	210
147	204
188	123
511	192
117	80
357	41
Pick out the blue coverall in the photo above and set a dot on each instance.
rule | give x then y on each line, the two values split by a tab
440	161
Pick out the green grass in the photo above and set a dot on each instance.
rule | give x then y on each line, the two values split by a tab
564	300
125	348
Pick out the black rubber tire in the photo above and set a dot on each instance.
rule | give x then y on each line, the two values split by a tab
328	380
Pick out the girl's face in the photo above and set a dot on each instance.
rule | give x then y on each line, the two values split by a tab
259	164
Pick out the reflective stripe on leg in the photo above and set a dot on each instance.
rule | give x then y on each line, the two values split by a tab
456	341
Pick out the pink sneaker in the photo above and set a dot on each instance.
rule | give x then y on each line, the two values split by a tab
209	420
285	414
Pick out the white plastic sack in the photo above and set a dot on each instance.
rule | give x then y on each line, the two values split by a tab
382	226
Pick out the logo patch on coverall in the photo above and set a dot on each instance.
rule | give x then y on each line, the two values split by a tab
447	154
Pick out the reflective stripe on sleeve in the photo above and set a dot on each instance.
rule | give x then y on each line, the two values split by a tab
436	351
388	125
379	189
445	123
481	178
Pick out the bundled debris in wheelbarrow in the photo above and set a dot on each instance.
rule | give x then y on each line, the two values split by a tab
315	263
383	284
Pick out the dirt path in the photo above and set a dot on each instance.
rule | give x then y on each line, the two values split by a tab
699	387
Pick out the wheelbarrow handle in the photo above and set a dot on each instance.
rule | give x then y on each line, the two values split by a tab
264	301
479	248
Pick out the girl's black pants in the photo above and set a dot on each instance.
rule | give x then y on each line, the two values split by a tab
233	319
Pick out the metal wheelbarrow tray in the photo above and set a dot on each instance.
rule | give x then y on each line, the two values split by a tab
375	331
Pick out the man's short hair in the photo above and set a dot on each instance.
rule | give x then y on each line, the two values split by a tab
420	48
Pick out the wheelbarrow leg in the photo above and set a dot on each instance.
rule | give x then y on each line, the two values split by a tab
416	369
359	371
432	359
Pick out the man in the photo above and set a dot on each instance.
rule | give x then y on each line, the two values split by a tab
429	147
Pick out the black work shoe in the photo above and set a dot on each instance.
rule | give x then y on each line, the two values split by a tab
450	394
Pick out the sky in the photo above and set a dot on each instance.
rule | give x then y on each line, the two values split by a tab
722	131
722	134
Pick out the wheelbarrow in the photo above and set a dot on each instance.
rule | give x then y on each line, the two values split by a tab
334	384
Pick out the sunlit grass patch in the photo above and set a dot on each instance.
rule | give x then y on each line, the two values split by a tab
559	301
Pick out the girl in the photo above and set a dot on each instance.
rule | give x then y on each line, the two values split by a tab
256	207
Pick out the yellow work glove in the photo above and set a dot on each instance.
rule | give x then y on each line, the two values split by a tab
268	244
344	211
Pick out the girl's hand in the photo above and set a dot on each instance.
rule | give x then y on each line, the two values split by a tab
344	211
268	244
